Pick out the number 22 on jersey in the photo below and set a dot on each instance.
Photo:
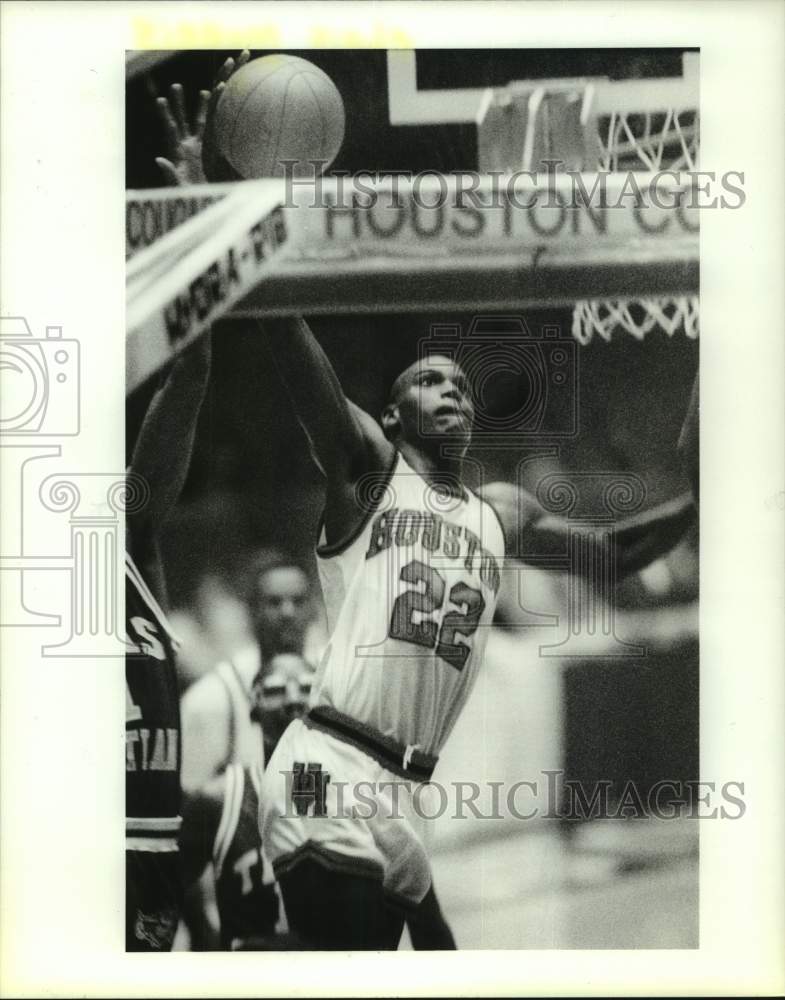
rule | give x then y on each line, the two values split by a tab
412	613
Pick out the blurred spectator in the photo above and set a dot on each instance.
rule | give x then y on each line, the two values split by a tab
216	628
216	709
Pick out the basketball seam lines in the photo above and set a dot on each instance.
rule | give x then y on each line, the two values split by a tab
320	109
238	113
280	121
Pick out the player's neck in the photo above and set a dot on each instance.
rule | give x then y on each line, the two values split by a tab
435	467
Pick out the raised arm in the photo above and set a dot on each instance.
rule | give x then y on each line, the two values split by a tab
532	533
345	442
162	453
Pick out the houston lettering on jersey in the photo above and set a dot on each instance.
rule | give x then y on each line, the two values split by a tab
437	535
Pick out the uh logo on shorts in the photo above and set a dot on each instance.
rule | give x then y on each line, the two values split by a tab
308	789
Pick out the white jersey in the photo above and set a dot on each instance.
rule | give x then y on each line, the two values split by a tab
409	601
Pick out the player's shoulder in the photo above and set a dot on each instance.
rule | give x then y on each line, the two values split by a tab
205	698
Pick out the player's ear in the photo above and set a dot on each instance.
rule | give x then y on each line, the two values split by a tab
390	421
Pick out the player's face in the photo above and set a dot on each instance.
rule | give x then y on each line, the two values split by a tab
282	610
282	694
435	402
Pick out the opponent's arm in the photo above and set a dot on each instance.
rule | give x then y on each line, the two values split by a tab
163	448
637	541
162	453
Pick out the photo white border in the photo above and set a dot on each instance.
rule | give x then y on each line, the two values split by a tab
62	239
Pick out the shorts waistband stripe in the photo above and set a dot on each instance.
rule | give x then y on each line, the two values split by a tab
406	762
328	858
153	825
152	845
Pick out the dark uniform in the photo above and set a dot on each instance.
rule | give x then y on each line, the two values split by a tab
152	771
248	903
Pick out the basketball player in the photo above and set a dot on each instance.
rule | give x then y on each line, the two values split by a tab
221	826
218	727
152	792
409	562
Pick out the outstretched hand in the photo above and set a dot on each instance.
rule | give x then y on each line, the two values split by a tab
192	151
183	162
214	165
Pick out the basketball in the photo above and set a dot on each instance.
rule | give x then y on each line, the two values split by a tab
279	108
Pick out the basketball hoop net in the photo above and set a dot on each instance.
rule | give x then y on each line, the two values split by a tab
599	125
637	317
648	141
642	141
